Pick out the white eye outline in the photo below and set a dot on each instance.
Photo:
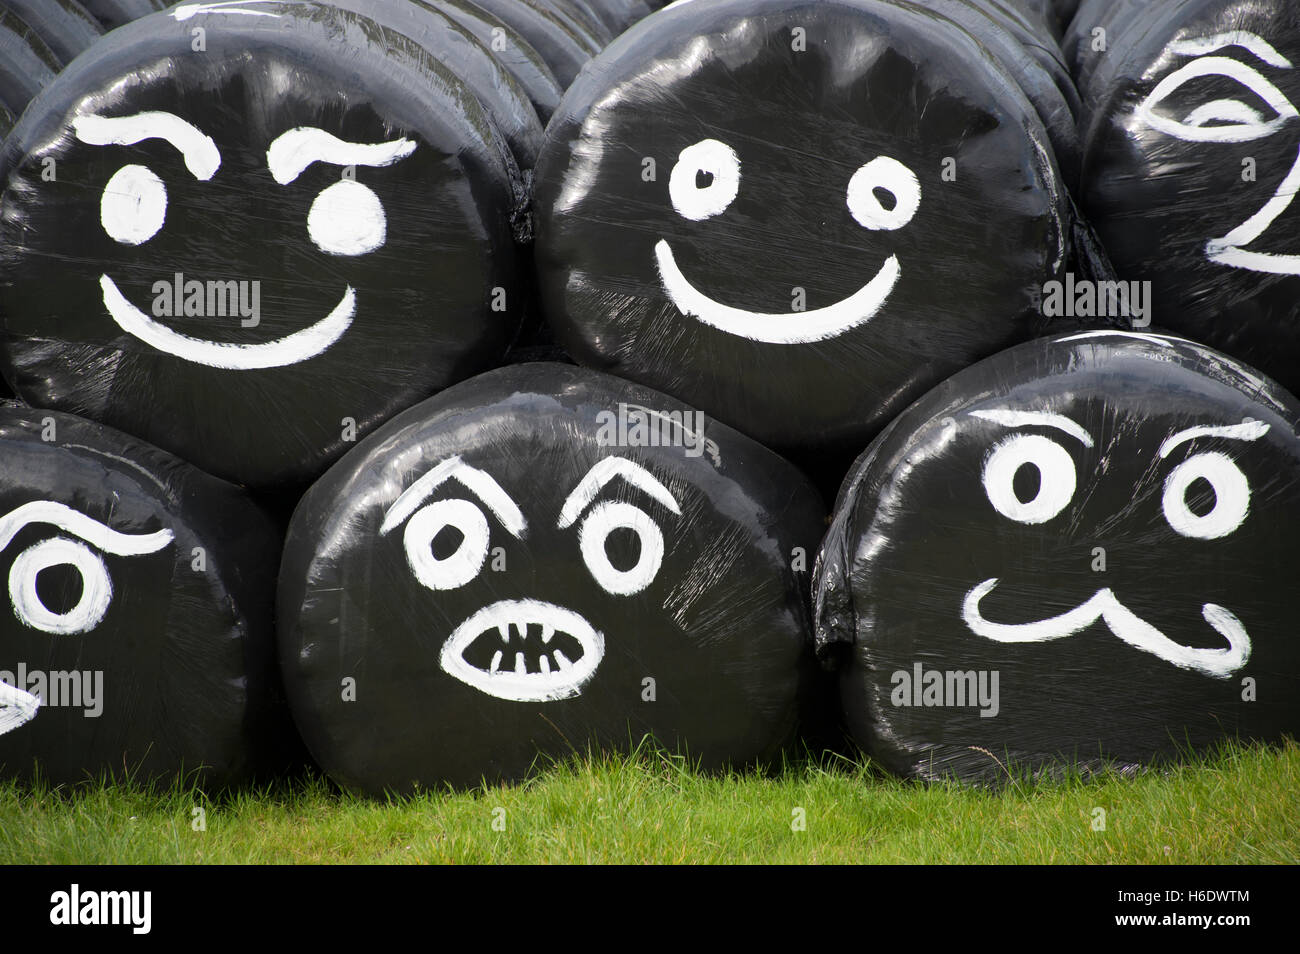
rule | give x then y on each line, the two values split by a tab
96	585
462	566
1244	123
1231	496
602	520
1057	479
895	178
133	208
712	156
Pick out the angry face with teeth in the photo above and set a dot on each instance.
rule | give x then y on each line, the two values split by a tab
224	244
1193	164
1099	526
795	215
488	580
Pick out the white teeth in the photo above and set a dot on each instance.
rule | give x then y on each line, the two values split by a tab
496	662
545	663
522	626
520	666
562	661
504	630
547	633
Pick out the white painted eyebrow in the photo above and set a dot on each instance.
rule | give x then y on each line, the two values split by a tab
479	482
201	155
185	11
1242	38
1247	430
89	529
1008	418
601	474
295	150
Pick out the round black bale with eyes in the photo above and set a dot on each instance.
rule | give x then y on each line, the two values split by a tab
796	216
1192	162
218	234
136	635
1079	552
536	561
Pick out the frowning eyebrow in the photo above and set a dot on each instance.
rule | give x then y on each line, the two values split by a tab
201	155
1009	418
475	480
601	474
1242	38
295	150
91	530
1247	430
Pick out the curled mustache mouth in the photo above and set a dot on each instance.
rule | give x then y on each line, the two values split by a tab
1124	623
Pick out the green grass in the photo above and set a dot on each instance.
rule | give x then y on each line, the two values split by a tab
1237	806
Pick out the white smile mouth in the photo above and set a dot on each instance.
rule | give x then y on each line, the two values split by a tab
290	349
524	651
1124	623
17	707
1230	249
799	327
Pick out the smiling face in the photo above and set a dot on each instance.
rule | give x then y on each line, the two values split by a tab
1105	528
746	200
239	227
1192	167
456	589
106	581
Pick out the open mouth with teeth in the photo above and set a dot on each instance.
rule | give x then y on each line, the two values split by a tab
229	356
524	651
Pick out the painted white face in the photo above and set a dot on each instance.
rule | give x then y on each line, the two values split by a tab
882	195
17	706
1056	486
346	219
526	650
1236	119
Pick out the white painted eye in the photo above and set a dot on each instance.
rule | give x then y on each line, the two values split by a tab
347	218
1231	496
134	205
459	567
1056	478
1218	120
603	520
895	179
96	589
705	180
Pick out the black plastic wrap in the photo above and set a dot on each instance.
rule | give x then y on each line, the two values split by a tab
758	119
65	25
665	586
509	47
565	50
137	634
1079	551
1191	169
115	13
26	64
363	208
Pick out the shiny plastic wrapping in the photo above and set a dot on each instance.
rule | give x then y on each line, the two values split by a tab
115	13
1079	552
252	253
65	25
1191	170
26	66
797	216
136	640
541	560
